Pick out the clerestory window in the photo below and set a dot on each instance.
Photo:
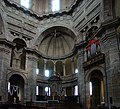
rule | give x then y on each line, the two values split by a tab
55	5
25	3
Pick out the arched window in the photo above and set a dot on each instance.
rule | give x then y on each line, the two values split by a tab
25	3
90	88
55	5
47	73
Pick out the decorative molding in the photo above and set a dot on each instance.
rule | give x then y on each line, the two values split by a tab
94	61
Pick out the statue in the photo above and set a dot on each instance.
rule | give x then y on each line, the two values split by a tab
17	57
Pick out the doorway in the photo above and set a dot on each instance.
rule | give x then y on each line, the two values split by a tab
96	88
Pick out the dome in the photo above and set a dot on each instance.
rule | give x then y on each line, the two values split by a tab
57	42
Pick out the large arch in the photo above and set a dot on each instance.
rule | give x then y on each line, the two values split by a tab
56	42
63	28
98	78
97	88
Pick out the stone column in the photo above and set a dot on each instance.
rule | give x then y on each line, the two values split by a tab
72	65
31	66
45	62
64	69
54	67
81	76
5	58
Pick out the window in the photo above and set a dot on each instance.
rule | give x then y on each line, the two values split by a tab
55	5
37	90
76	90
25	3
37	71
47	73
90	88
76	70
8	86
47	91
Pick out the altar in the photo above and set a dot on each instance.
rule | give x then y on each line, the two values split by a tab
55	84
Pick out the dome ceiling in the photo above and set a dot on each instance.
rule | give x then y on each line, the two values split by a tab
57	42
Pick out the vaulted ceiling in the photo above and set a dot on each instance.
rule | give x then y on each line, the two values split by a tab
57	42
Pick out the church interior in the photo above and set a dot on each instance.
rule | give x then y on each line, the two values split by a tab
59	54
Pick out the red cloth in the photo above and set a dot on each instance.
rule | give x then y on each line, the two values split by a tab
92	41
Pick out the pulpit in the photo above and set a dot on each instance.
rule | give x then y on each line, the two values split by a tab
55	86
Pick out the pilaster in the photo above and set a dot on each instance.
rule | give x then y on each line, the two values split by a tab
81	76
110	47
31	66
5	57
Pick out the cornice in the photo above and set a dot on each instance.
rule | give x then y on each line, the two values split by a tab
41	17
6	42
107	25
39	54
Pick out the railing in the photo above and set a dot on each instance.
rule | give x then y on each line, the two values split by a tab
93	61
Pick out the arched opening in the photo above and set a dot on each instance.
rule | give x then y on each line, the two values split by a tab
96	88
18	55
68	67
40	66
49	68
59	67
16	89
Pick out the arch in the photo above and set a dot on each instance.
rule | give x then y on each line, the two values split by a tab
98	76
57	41
16	73
59	67
100	68
16	89
92	28
40	66
40	37
50	67
18	55
19	42
97	88
68	67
